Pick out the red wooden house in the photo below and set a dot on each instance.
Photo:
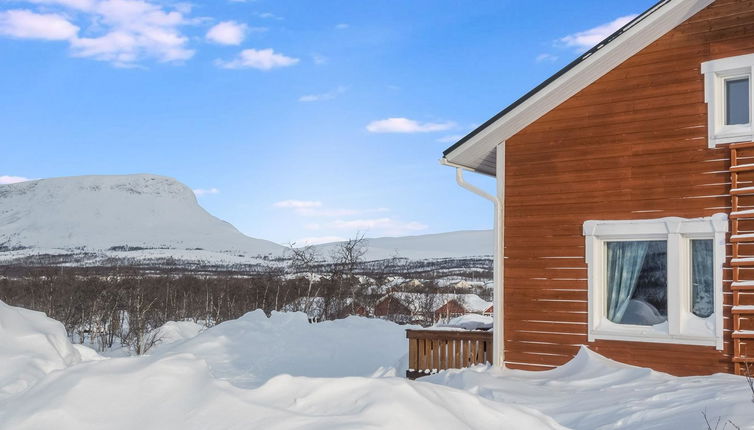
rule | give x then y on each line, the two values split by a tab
624	211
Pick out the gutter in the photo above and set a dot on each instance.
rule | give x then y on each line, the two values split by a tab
498	201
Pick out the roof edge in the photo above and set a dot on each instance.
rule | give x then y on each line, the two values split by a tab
557	75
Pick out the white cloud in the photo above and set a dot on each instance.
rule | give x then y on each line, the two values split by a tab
5	180
318	240
297	204
584	40
25	24
387	225
263	59
342	26
122	32
405	125
227	33
203	192
323	96
546	58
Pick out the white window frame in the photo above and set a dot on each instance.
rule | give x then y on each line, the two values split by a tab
716	72
682	327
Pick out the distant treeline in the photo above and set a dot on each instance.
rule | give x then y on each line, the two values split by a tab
105	305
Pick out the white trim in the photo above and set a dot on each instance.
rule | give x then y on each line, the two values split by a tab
716	73
643	33
498	202
682	326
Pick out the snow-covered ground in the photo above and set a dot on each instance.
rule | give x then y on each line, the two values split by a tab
284	373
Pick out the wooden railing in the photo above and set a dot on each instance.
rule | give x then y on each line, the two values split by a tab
430	351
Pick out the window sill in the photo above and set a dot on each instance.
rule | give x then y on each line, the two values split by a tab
722	139
652	334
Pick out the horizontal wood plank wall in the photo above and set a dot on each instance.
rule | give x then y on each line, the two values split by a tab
633	145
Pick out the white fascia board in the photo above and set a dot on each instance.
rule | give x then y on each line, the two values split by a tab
638	37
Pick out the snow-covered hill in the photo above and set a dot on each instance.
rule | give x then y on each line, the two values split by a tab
150	219
456	244
99	213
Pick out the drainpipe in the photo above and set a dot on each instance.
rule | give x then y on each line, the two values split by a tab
498	201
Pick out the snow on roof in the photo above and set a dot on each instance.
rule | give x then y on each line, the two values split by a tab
418	302
472	302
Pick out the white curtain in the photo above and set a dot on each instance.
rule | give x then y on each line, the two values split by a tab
702	302
624	263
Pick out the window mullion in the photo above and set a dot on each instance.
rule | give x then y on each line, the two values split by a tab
676	268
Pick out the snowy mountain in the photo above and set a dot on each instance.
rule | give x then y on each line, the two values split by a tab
457	244
100	213
153	219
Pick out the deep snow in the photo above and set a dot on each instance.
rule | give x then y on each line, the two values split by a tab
283	373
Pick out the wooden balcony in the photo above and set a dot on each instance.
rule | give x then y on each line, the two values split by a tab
430	351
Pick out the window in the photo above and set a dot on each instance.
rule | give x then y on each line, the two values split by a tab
656	280
728	94
737	101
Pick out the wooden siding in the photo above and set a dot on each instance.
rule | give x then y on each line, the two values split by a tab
633	145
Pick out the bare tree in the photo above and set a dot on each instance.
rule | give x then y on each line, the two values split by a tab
305	260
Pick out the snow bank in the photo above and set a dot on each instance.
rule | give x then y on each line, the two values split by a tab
252	349
593	392
31	346
179	392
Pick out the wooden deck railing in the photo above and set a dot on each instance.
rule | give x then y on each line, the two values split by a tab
430	351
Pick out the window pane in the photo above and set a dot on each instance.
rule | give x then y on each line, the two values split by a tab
637	284
737	101
702	295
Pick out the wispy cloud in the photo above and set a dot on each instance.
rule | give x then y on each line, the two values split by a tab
203	192
405	125
5	179
546	58
297	204
451	138
263	59
385	225
227	33
323	96
269	15
342	26
584	40
314	208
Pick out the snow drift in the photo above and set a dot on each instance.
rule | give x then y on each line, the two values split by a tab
90	213
178	388
593	392
31	346
252	349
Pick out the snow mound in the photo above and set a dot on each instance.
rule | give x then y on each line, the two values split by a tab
254	348
179	392
470	322
31	346
176	331
100	213
594	392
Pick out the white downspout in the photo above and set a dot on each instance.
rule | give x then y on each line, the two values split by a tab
498	201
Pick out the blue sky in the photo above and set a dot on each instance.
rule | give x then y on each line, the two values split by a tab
291	119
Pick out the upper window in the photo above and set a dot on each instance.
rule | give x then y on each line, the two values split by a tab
656	280
728	94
